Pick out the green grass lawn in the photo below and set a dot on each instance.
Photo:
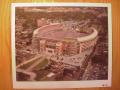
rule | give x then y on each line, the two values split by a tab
37	67
25	66
41	65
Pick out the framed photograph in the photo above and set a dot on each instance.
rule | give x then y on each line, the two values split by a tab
61	45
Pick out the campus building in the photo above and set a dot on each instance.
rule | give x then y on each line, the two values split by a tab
54	39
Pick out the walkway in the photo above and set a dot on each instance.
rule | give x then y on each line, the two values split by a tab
31	74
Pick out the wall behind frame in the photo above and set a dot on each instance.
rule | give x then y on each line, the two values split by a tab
5	42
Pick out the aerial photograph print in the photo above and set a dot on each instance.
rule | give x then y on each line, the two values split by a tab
61	43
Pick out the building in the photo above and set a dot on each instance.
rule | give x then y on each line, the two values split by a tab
53	39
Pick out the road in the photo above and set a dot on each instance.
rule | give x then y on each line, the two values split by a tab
31	74
27	61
